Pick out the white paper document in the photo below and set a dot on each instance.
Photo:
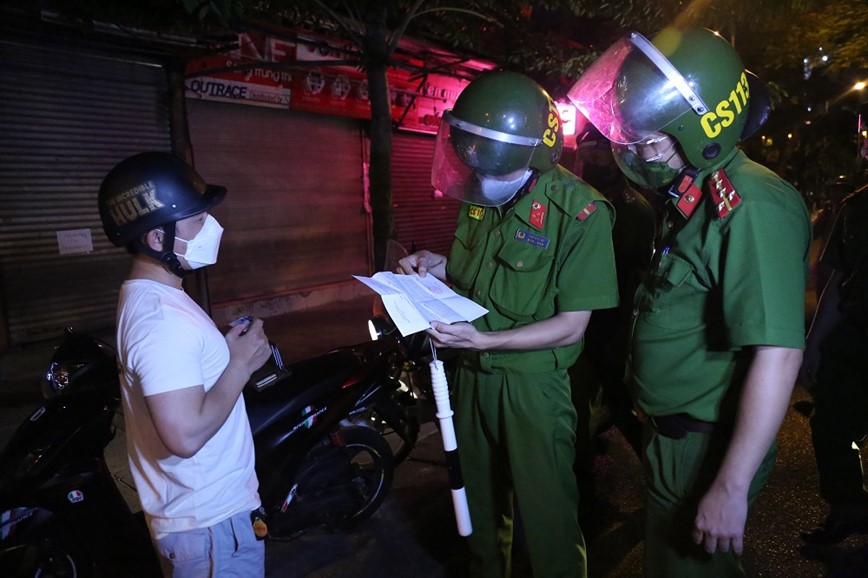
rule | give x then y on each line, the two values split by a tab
414	302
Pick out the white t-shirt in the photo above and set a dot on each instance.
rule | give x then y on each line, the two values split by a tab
167	342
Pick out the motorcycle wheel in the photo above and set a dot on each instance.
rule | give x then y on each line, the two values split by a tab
341	482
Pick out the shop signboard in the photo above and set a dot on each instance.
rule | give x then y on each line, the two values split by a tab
310	74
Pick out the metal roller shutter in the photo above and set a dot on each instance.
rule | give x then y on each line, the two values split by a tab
67	117
294	215
422	221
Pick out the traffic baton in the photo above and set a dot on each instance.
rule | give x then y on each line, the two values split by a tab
450	446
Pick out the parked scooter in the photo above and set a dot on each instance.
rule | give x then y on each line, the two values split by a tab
313	469
61	513
399	416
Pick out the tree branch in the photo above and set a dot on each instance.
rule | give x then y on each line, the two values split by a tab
355	35
399	32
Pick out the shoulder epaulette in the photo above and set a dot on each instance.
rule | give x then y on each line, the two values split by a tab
587	211
723	194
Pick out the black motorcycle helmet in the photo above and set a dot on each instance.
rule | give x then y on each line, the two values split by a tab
148	191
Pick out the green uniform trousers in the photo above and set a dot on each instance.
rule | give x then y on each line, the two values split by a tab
677	474
516	436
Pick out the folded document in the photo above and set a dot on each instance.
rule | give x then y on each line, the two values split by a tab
414	302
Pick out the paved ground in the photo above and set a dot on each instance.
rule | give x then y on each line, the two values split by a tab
413	534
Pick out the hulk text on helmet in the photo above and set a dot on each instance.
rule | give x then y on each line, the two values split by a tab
154	190
502	129
687	85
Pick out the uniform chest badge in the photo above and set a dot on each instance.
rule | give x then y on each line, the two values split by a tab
531	239
537	214
723	193
476	212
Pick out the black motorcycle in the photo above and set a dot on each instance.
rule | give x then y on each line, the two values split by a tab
314	469
62	514
410	403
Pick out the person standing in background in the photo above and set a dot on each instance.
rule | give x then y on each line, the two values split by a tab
835	371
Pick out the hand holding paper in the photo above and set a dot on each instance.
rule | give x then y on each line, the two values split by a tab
414	302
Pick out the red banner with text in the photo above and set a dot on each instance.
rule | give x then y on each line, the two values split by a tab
311	75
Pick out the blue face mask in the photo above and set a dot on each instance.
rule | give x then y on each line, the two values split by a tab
649	174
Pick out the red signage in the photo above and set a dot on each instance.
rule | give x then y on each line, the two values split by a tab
300	76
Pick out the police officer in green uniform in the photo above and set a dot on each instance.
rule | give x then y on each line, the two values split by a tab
718	326
835	369
533	245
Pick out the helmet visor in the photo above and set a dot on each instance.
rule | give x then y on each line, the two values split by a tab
479	165
632	91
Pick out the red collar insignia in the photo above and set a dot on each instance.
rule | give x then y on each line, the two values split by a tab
689	195
537	214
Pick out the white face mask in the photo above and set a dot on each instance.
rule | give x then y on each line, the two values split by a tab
495	192
202	248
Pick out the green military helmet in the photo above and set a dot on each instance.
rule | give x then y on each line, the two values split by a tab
500	119
503	125
688	83
710	66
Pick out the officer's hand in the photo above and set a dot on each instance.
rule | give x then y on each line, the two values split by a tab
252	348
420	263
457	335
720	521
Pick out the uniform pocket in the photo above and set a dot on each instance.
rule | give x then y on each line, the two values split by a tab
672	301
672	271
522	281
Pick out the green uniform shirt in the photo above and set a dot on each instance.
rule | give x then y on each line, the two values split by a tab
721	280
550	252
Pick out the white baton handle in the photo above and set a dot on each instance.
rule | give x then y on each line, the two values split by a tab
450	446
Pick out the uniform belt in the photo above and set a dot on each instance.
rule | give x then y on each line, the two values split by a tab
678	425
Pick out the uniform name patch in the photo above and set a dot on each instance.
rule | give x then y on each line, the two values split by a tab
531	239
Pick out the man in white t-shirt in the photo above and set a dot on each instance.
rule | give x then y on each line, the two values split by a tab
188	437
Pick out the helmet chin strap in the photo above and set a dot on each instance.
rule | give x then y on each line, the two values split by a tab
171	263
167	256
